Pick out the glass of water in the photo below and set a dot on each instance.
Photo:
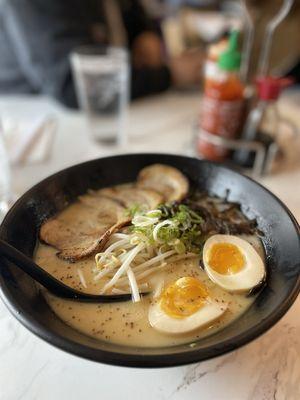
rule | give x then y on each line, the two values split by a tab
5	186
102	81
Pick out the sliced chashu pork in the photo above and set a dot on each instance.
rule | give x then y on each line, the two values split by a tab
166	180
82	229
85	226
130	196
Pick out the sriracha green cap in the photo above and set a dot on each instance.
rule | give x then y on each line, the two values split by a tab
230	59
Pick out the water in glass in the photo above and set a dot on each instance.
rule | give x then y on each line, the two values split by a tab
101	76
4	177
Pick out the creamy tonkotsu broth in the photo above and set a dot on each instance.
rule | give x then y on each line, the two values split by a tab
126	323
190	252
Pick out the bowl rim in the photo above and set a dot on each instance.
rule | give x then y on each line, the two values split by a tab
141	360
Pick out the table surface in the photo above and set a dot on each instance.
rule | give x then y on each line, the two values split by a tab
30	369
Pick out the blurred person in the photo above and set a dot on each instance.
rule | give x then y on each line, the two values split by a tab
37	37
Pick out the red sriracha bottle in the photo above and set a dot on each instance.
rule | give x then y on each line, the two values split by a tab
223	102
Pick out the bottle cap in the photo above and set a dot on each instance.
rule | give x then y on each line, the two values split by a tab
269	87
230	59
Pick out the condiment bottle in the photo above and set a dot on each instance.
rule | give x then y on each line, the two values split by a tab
213	53
268	90
223	100
264	116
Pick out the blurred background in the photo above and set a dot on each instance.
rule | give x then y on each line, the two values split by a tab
210	79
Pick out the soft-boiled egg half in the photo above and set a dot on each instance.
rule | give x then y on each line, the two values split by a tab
232	263
184	306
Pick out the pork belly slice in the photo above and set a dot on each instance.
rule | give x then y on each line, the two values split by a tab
166	180
127	195
82	229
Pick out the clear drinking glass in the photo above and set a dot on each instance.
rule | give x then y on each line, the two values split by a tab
102	80
4	177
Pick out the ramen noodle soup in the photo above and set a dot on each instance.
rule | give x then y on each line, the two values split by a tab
189	261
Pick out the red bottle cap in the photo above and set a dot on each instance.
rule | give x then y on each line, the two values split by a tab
269	88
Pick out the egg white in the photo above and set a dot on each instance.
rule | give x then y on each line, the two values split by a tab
162	322
248	277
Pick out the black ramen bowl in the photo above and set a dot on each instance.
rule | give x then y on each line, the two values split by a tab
281	242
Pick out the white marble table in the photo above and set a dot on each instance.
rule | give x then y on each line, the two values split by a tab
30	369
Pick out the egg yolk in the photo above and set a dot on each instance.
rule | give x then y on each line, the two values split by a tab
226	258
183	297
